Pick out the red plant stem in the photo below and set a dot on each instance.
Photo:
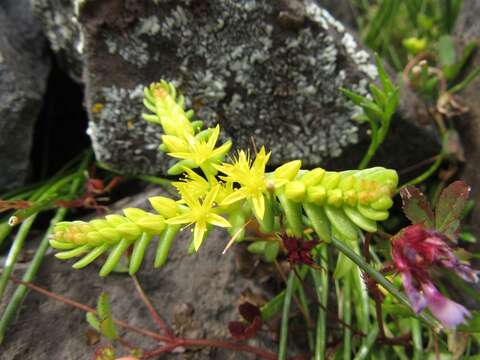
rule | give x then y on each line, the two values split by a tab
171	343
87	308
153	313
211	343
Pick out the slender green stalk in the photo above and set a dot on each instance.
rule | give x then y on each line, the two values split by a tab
357	259
347	317
372	149
417	339
399	350
164	183
321	288
429	172
29	275
282	346
304	303
367	345
5	230
360	293
15	249
22	233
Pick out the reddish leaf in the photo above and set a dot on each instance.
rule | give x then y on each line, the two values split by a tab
416	206
249	311
449	209
244	331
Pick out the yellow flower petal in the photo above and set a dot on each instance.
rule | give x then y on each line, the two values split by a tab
237	195
217	220
198	234
259	205
210	198
180	219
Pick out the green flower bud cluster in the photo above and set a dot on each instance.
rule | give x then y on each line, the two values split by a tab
183	139
349	199
115	234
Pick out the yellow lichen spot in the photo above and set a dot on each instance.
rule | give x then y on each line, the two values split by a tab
129	124
97	107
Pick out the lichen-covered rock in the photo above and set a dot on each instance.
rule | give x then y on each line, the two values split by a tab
262	69
24	68
59	23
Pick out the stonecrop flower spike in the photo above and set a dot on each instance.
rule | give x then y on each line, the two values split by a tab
230	194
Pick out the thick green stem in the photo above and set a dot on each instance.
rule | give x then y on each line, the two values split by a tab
357	259
282	347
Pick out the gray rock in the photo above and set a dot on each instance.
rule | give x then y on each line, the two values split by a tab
24	67
197	295
271	70
58	19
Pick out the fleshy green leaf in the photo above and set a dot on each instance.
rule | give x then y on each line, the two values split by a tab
416	206
257	247
93	321
107	327
449	209
271	251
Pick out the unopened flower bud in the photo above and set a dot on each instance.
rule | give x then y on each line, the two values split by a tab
334	197
316	194
288	171
331	180
295	191
166	207
312	177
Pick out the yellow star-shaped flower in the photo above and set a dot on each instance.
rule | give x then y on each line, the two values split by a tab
200	213
203	152
250	176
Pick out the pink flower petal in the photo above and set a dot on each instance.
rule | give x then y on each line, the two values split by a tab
447	311
416	298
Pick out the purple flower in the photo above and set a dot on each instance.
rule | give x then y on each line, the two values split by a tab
415	252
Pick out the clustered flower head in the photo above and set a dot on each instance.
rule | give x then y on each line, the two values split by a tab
416	252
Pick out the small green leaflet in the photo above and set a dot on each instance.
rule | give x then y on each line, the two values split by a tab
103	323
